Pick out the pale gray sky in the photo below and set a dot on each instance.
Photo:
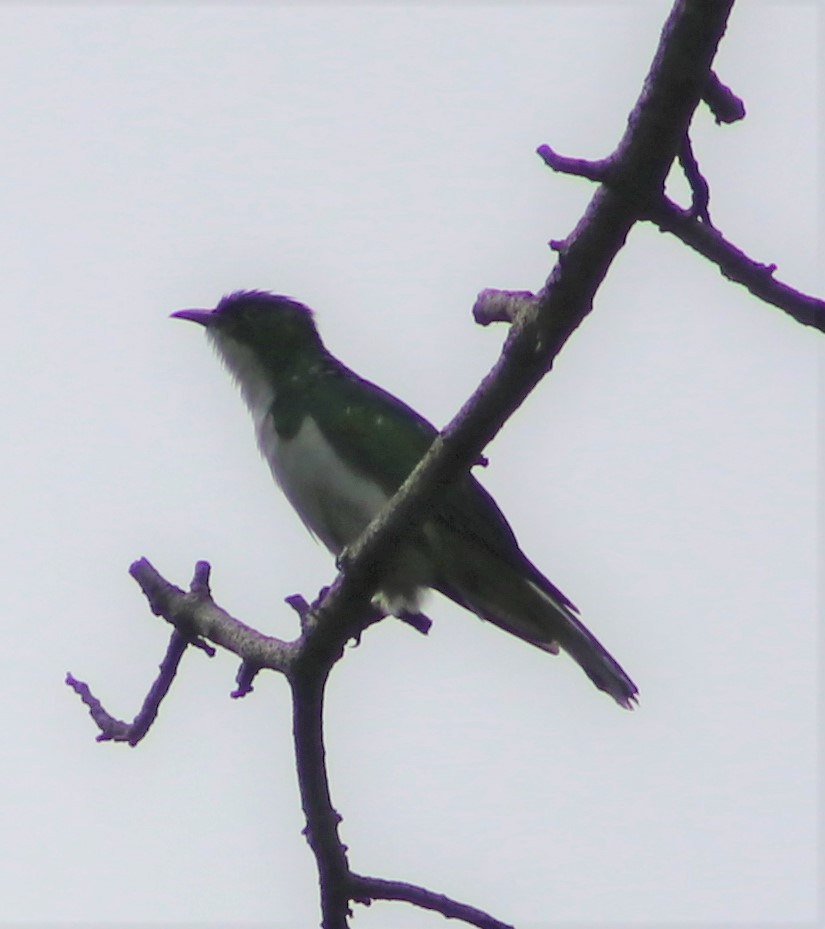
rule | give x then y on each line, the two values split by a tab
377	162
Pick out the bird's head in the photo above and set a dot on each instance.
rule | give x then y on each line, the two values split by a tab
258	333
263	322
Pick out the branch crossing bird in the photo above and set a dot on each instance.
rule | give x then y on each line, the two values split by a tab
339	447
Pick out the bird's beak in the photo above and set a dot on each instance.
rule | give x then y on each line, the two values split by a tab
204	317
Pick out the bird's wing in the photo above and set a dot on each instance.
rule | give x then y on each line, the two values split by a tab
470	512
384	439
476	555
374	432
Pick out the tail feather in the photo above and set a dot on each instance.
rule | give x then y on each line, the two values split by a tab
535	611
592	657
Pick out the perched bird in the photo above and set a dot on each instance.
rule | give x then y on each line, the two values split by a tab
339	447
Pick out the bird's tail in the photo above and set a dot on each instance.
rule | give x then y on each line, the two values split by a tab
595	660
535	610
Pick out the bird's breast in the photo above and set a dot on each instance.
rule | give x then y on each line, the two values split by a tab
335	501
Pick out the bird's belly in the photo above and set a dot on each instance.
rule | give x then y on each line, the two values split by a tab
334	501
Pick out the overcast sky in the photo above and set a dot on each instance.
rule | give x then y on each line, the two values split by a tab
378	163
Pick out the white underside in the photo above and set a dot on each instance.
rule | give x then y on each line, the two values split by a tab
336	504
334	501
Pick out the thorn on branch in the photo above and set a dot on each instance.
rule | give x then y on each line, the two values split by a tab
722	101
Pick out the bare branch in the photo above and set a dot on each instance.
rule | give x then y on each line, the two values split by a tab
321	818
632	183
196	614
539	331
364	889
116	730
641	163
736	265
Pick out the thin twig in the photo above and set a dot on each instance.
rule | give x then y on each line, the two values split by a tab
117	730
602	172
364	889
699	189
736	265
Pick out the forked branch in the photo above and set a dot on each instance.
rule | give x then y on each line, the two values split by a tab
631	189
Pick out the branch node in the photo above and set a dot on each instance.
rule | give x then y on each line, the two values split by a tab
501	306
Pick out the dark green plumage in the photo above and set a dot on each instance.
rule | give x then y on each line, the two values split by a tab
340	446
365	413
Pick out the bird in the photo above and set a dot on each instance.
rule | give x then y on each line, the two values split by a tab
339	447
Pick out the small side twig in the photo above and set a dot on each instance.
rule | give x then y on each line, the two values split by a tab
195	617
366	889
116	730
699	189
735	265
692	226
722	101
601	171
244	678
